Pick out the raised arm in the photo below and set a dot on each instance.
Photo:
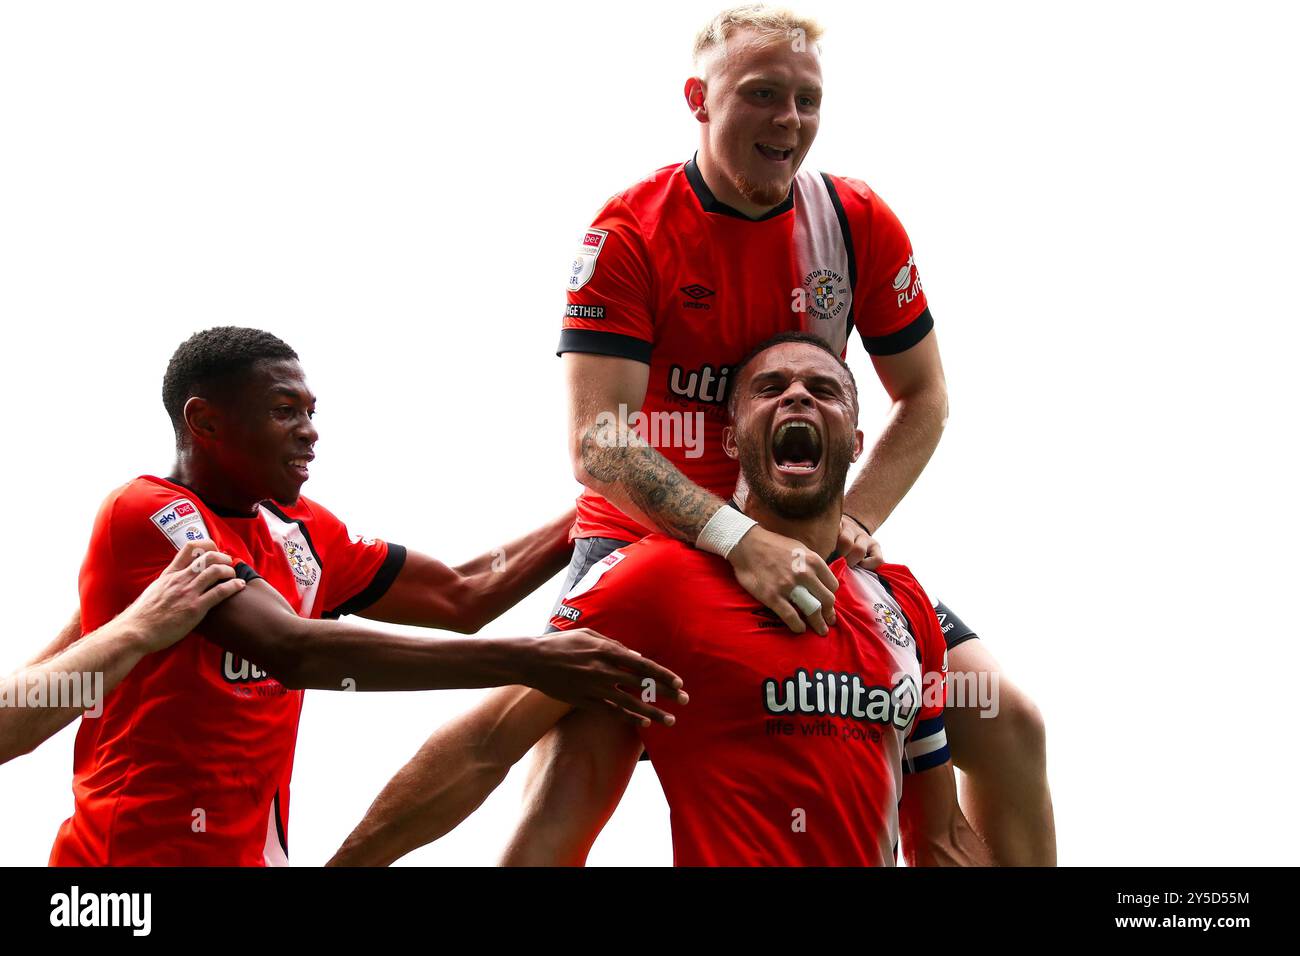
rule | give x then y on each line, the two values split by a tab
450	776
915	383
622	467
933	829
579	666
428	593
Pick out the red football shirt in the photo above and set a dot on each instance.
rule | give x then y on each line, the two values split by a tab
189	763
793	748
670	276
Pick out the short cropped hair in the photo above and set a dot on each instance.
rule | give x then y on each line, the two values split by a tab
771	23
212	361
782	338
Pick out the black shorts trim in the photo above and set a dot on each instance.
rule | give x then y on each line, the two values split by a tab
903	339
378	586
595	342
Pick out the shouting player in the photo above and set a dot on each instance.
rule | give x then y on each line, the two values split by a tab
676	279
794	751
190	761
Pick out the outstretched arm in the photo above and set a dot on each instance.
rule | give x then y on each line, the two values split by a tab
428	593
934	831
578	666
450	776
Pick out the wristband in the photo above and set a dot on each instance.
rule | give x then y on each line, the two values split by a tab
858	523
724	531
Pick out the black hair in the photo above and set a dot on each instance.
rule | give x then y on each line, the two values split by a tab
212	361
781	338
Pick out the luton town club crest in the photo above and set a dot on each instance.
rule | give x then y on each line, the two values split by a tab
892	624
302	563
827	294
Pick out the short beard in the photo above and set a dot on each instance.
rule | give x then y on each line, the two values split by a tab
801	503
768	195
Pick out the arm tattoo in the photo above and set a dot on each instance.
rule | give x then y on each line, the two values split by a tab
621	457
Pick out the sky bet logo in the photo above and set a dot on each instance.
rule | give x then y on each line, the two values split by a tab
181	510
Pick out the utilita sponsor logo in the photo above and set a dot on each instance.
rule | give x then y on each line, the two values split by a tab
74	908
828	694
703	385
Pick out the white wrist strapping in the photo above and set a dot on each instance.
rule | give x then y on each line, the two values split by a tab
724	531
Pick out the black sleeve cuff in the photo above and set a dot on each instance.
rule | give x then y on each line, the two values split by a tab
903	339
378	585
245	573
594	342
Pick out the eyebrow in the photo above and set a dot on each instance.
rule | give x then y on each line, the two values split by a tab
292	393
775	81
774	375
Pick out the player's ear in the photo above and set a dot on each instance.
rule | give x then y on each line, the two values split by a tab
733	450
694	92
200	418
857	444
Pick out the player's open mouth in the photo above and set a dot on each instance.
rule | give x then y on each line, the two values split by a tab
797	447
298	466
774	153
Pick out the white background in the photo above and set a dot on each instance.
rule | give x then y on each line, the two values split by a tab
1103	203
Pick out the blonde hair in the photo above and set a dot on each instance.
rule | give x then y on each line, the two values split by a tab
771	23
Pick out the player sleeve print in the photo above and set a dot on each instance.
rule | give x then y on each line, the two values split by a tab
609	289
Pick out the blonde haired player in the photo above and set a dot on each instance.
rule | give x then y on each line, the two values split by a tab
677	278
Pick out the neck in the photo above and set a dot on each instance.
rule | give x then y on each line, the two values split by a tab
210	483
724	190
819	534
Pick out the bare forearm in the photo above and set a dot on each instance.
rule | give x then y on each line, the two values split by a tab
334	655
958	846
69	633
898	457
497	581
39	701
644	484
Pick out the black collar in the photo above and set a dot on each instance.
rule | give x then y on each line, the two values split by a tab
218	511
711	203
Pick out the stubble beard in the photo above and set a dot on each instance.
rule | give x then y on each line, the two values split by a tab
797	504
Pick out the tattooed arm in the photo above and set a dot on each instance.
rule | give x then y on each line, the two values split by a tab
642	483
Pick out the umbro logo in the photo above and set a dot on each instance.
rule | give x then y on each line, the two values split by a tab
696	293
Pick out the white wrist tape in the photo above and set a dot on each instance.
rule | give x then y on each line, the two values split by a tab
724	531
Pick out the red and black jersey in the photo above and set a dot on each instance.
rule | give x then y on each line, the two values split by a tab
189	763
670	276
793	748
